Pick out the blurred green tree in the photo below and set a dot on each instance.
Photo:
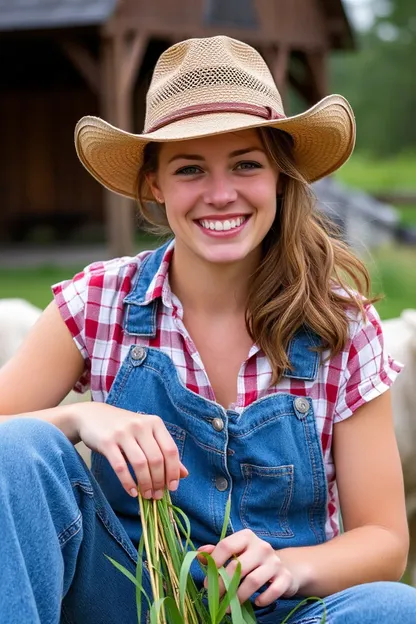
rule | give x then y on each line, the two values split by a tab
379	79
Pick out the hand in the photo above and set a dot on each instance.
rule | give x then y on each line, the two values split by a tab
140	439
260	564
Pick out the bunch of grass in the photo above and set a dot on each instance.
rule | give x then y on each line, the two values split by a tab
166	540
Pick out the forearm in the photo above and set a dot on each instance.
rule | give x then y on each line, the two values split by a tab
362	555
62	416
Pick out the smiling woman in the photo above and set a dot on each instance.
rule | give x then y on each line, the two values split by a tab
235	355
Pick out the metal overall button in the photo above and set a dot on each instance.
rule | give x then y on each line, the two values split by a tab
138	353
302	405
221	484
218	424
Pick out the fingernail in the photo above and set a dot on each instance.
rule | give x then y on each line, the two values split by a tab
173	485
158	494
148	494
133	492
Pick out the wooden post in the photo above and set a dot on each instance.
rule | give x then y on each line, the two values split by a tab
278	62
317	65
120	60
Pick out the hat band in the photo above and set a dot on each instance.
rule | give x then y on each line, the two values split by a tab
266	112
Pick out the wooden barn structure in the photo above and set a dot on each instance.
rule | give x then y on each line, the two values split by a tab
62	59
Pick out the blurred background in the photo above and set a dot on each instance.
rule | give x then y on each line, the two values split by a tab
62	59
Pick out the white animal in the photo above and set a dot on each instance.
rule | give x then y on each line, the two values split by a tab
400	342
17	317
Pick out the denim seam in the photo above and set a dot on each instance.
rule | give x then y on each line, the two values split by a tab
262	424
70	531
131	553
316	487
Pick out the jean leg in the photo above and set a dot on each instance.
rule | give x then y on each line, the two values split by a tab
369	603
55	527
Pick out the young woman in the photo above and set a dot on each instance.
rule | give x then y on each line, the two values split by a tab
234	360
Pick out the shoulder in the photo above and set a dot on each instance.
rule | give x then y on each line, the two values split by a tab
101	281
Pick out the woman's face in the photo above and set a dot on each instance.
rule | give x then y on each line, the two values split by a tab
219	192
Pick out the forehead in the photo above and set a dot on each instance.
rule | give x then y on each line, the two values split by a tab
215	144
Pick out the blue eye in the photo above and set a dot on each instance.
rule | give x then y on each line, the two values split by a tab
248	165
190	170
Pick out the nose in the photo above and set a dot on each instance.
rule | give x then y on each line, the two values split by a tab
220	191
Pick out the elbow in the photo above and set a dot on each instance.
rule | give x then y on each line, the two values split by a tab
399	556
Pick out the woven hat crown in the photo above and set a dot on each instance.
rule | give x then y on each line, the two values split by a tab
203	71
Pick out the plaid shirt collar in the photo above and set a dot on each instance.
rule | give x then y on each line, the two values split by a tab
160	286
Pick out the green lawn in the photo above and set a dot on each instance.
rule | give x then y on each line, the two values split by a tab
393	270
395	174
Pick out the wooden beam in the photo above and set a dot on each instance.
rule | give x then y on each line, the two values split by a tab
316	62
120	61
133	54
278	62
83	60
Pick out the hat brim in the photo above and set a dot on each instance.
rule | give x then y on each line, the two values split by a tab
324	138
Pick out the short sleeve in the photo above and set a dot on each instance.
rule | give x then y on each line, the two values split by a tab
369	370
70	297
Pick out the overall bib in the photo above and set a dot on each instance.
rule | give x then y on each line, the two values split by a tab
267	458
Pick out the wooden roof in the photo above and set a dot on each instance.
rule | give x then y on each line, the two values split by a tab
34	14
44	14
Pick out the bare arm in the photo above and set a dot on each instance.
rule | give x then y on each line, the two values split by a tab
370	484
41	374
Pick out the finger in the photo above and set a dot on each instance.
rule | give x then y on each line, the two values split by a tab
231	545
208	548
156	463
184	472
119	465
253	581
139	463
249	561
277	588
170	454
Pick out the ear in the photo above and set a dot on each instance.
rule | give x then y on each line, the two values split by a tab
152	182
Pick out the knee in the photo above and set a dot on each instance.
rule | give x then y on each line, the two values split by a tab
23	438
389	601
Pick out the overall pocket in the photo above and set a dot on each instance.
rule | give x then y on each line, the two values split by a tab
266	499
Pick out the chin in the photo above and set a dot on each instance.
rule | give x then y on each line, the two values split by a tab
224	256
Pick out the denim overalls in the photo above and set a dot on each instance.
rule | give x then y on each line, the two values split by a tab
268	458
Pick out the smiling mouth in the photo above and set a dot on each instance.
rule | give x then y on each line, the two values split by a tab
224	225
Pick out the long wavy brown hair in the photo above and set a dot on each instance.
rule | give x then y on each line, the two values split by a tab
307	277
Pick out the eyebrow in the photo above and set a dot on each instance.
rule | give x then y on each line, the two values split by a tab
239	152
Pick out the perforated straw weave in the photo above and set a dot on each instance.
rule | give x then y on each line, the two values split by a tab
202	87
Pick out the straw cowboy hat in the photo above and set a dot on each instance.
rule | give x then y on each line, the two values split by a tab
208	86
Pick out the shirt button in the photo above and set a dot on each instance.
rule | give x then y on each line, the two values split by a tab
218	424
221	484
302	405
138	353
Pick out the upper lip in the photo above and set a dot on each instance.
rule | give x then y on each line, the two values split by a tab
222	217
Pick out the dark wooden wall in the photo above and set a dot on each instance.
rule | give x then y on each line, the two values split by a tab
41	99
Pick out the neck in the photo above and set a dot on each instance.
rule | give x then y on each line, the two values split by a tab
208	288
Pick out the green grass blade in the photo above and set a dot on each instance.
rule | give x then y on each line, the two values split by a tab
301	604
139	578
231	591
187	530
173	611
248	612
226	518
213	588
155	610
183	578
129	575
236	613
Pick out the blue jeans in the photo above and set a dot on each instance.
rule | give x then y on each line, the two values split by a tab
56	526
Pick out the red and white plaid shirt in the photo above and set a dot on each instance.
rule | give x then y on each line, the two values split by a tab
91	304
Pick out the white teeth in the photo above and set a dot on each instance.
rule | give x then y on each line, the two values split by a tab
220	226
